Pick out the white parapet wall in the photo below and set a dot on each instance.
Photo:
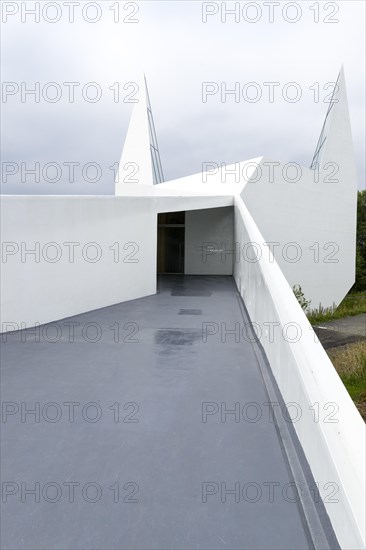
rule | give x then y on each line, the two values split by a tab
330	429
65	255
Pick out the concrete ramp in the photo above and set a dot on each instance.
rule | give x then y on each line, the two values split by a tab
147	425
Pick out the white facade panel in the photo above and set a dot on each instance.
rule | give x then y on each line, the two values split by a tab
209	241
113	241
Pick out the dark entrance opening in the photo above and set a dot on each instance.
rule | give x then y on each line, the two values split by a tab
171	229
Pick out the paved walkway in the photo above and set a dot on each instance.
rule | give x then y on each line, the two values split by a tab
132	444
341	331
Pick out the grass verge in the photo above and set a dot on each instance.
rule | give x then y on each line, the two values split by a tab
353	304
350	363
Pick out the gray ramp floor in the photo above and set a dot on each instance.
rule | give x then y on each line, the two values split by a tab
129	446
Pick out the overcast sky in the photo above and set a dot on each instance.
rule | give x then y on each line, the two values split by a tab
178	52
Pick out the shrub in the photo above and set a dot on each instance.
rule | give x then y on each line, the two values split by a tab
304	303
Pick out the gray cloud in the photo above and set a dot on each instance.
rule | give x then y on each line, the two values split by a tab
178	53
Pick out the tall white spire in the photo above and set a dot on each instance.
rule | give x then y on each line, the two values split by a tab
140	161
334	152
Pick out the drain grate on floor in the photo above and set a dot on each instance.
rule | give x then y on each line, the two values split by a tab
190	312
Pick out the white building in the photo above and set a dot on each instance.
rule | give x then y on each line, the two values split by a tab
269	225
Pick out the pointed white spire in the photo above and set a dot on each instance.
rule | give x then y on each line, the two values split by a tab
334	153
140	161
135	166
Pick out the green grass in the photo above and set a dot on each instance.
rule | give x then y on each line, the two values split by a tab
350	363
353	304
356	383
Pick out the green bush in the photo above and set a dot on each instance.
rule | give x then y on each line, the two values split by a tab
304	303
360	283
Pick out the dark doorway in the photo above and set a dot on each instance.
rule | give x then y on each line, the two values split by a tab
171	228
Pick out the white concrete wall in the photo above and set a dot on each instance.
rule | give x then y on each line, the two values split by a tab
305	376
312	225
208	234
37	290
